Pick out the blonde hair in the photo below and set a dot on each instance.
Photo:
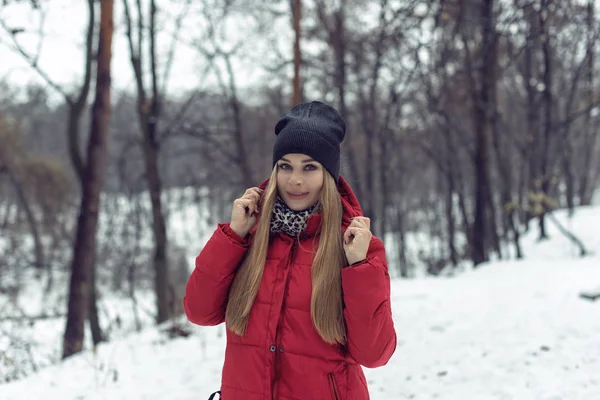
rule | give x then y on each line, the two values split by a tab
326	299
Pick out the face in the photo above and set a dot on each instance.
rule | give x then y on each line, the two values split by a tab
299	180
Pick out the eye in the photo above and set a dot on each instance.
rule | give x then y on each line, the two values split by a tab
285	166
311	167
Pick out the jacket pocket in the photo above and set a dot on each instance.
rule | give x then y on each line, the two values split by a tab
335	395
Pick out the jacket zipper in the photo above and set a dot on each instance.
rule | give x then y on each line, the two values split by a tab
334	392
285	289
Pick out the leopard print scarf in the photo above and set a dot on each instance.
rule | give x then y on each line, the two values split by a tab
288	221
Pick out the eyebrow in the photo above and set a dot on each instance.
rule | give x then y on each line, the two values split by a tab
304	161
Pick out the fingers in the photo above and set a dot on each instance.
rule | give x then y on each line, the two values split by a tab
347	235
359	226
243	203
247	204
362	222
254	190
251	199
354	231
257	195
252	193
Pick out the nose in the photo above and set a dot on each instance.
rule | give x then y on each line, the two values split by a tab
296	179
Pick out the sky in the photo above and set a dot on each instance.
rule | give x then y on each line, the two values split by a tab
62	48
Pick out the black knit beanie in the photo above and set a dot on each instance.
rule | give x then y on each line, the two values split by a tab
314	129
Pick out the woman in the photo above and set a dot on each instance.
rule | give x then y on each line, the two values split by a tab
297	276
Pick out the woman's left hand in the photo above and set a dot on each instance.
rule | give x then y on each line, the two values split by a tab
357	239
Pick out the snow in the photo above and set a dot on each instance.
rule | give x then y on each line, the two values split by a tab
508	330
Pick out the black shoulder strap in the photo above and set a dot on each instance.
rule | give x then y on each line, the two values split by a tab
212	396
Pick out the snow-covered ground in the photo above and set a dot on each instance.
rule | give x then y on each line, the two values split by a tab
509	330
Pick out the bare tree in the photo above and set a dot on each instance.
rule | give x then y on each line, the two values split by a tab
588	174
334	24
76	106
482	113
11	155
548	101
150	109
216	53
82	266
296	84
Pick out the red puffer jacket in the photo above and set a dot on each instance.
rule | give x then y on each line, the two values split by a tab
281	356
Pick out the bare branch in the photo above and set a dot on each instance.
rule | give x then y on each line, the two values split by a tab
41	36
171	53
152	43
201	131
33	62
89	50
175	122
77	159
135	54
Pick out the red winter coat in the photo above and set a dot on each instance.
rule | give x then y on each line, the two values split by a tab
281	356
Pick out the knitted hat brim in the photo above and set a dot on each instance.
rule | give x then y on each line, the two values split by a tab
296	140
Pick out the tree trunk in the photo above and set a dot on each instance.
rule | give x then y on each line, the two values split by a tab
496	232
569	178
372	131
37	242
386	177
76	109
149	113
450	220
370	195
532	134
97	335
462	204
94	171
151	152
450	190
159	231
492	224
547	99
77	106
592	131
506	186
482	112
242	154
478	248
337	41
401	242
296	86
73	135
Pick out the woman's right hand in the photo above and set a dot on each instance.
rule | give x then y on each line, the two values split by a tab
245	211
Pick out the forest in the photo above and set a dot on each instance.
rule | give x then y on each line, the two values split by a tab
469	122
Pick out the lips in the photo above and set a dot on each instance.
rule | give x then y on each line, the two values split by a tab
297	195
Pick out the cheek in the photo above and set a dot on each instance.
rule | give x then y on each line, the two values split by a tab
279	179
317	184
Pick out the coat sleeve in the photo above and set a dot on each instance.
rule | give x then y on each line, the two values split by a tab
367	311
207	288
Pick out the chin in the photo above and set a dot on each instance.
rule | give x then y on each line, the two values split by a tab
295	206
298	205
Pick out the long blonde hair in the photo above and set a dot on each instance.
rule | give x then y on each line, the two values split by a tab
326	299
